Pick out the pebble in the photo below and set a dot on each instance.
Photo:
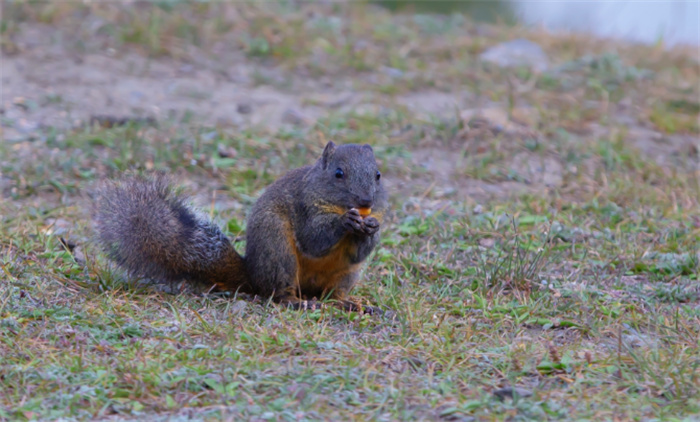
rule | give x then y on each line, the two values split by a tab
501	393
516	53
293	116
244	108
392	71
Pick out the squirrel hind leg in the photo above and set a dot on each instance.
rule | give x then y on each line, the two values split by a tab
342	300
271	259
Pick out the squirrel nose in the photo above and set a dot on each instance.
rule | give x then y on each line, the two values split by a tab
365	203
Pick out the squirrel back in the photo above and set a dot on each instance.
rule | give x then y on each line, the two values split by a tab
307	234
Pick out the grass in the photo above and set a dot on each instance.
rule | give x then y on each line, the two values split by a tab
573	281
589	300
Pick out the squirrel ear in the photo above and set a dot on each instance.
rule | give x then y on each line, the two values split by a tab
327	153
368	147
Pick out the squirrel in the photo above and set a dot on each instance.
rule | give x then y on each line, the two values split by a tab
308	234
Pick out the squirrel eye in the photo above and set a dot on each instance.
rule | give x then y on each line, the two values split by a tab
379	175
339	174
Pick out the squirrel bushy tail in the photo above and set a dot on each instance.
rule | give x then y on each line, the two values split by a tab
149	230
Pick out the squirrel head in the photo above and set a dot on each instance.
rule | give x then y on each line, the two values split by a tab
349	176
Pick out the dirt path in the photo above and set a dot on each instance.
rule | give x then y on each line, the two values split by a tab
49	85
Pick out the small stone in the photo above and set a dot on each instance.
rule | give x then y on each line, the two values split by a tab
26	126
186	68
516	53
487	242
478	209
392	71
293	116
244	108
226	152
360	46
210	136
238	307
136	96
445	192
57	226
411	206
78	255
231	120
504	392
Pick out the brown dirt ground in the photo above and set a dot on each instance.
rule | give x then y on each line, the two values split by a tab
50	83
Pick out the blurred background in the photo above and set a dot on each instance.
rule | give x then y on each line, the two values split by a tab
75	53
520	91
671	22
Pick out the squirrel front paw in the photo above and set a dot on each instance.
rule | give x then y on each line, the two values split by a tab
353	221
371	225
